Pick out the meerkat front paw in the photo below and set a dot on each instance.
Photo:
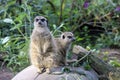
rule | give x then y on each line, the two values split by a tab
40	70
48	71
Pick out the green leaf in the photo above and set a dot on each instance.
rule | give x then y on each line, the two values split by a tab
5	40
8	20
114	63
16	26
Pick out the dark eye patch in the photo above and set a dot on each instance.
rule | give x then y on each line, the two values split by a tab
69	37
42	20
37	20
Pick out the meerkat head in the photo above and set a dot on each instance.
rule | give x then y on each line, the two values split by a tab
68	37
40	21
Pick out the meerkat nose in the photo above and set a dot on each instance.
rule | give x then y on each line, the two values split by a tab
73	39
39	23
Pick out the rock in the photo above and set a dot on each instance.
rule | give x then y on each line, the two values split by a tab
30	73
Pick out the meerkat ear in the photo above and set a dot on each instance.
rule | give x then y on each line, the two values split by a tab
47	22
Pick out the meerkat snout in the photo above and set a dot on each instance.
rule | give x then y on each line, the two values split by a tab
71	38
40	21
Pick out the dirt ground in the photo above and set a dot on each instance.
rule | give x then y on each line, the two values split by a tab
6	74
110	54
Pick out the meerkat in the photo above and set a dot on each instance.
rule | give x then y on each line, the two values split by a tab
63	45
42	46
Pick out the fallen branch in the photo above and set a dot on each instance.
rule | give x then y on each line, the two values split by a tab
97	64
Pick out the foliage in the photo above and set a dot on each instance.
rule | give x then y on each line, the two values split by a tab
95	23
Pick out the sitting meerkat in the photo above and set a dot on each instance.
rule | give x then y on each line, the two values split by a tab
63	45
42	46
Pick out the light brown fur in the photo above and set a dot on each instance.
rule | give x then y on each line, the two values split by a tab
63	45
42	46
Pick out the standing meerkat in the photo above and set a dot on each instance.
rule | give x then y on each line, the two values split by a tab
63	45
42	47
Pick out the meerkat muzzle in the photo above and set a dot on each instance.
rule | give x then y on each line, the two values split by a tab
39	23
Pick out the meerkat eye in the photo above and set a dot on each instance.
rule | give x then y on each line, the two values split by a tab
69	37
37	20
42	20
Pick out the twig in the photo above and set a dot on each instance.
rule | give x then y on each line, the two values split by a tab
83	57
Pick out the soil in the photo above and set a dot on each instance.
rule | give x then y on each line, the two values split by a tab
110	54
5	73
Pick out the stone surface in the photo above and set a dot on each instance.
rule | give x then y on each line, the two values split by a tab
30	73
